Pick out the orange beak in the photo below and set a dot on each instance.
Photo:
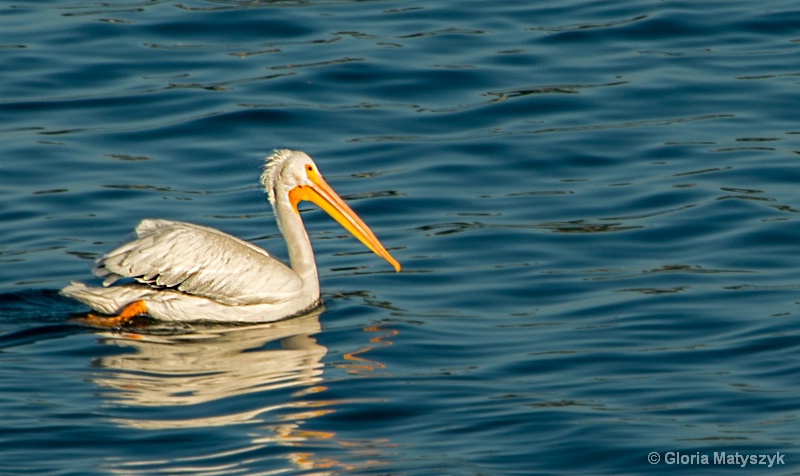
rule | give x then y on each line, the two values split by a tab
321	194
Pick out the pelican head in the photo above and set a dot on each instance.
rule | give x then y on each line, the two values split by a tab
290	176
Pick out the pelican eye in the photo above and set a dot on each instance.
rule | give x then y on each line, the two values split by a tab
310	172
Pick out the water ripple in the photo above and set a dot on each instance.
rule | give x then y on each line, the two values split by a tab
595	205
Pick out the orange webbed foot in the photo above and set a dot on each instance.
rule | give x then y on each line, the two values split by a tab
136	308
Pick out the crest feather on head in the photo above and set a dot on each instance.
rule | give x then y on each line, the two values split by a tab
273	168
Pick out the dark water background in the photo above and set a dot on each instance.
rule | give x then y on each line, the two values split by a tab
595	204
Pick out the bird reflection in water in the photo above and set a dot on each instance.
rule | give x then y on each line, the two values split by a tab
195	375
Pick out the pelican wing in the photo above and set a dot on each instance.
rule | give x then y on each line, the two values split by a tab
200	261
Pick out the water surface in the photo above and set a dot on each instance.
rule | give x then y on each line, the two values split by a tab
595	206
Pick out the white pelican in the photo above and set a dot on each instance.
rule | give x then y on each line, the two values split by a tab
186	272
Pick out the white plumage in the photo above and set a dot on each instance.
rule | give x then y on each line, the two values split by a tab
187	272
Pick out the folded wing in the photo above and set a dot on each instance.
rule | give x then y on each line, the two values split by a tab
200	261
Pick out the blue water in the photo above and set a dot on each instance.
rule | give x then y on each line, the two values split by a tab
595	205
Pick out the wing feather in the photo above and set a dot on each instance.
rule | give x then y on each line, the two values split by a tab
201	261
